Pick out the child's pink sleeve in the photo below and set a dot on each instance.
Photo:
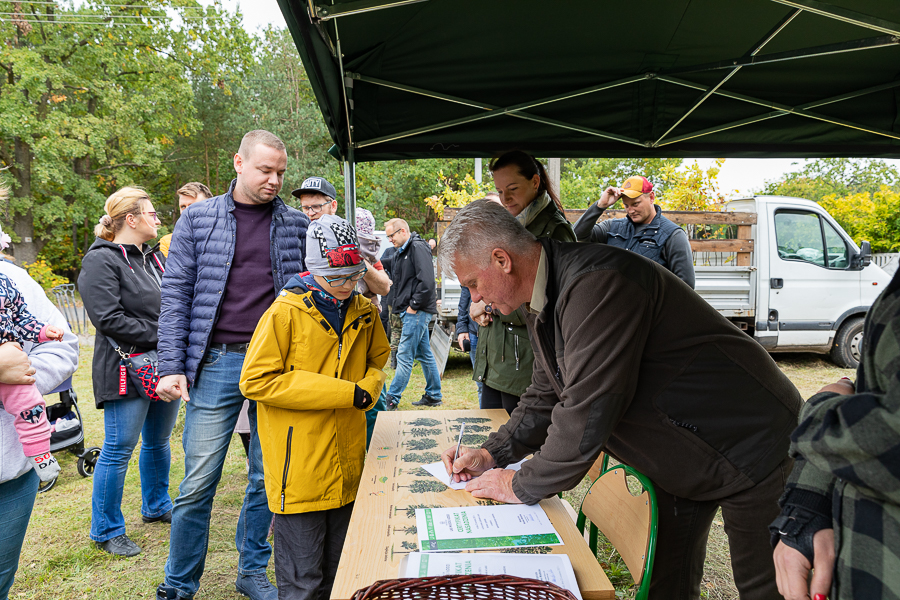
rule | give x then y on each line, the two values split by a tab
26	404
42	335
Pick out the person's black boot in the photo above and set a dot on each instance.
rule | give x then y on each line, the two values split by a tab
428	401
392	403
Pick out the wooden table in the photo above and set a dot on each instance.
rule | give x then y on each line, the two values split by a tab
382	528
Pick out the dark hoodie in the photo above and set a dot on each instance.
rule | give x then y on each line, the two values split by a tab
122	301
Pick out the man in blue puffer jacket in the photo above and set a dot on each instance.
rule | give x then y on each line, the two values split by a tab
229	258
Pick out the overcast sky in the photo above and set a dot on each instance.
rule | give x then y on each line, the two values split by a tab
738	177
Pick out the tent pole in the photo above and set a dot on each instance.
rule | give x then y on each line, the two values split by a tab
350	189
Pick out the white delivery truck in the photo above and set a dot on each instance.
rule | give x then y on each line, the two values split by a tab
808	286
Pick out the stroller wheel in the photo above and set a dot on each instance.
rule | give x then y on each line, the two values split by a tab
87	461
45	486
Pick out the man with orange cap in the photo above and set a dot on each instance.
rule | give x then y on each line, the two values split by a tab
645	230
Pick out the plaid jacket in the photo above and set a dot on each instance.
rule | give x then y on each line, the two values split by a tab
847	451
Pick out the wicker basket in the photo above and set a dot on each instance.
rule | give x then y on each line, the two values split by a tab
463	587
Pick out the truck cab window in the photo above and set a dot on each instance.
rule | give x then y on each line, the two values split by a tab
838	253
799	237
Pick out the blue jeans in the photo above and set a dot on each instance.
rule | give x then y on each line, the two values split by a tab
473	354
211	415
16	501
123	422
415	344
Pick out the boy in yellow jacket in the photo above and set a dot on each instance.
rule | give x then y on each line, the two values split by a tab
314	367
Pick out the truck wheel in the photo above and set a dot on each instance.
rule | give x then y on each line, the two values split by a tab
848	344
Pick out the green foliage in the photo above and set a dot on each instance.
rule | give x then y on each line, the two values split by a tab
424	422
87	108
468	190
468	420
874	217
582	180
41	272
409	546
836	176
862	195
691	188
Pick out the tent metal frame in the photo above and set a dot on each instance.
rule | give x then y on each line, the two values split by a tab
891	37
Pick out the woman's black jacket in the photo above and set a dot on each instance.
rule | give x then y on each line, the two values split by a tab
122	302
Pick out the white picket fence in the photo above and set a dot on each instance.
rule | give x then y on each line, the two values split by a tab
887	261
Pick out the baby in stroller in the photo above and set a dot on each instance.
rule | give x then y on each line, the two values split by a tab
24	402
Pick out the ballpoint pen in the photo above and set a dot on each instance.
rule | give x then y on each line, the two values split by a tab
459	441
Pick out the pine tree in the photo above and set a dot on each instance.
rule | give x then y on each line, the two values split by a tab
471	420
476	428
421	432
474	439
420	486
423	459
425	444
423	422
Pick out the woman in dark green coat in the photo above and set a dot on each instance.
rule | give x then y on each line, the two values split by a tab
505	357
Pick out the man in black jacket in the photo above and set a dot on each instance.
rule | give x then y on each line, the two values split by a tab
672	389
415	301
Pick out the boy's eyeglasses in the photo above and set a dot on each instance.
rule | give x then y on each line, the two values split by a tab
339	281
314	208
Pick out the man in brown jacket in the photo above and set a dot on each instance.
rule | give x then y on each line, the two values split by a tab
630	360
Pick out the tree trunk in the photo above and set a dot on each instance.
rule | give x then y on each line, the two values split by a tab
26	250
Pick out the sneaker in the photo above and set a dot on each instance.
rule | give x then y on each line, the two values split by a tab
166	518
167	592
120	546
256	587
392	404
428	401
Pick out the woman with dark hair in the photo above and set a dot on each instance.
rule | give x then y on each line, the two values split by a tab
120	284
505	358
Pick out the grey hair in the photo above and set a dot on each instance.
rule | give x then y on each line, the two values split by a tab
479	228
259	136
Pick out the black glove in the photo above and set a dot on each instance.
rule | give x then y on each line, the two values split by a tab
362	399
796	526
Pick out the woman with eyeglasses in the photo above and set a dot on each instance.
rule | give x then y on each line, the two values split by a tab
505	358
120	285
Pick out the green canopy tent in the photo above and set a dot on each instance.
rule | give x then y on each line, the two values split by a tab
596	78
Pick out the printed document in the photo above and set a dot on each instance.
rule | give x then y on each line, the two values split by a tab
480	527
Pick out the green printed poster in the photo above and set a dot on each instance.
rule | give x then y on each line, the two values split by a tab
481	527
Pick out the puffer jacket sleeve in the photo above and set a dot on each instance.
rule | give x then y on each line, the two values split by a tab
100	291
177	295
265	379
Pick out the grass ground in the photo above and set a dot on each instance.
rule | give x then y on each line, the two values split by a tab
60	562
